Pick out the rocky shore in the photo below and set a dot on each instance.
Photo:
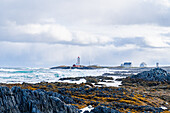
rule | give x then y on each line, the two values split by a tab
17	100
137	93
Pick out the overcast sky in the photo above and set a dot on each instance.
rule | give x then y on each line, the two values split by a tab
45	33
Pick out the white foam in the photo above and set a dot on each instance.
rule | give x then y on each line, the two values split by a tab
109	83
89	108
163	107
8	70
36	75
70	81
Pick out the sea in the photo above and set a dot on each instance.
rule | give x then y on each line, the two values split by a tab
36	75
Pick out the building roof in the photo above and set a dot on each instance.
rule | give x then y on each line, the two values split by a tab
127	63
143	63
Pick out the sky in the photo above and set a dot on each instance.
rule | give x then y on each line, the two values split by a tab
46	33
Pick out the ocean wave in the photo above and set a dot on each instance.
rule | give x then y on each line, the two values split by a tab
36	75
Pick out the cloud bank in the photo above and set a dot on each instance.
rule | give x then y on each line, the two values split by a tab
104	32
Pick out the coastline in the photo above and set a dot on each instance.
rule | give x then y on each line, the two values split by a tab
133	95
127	97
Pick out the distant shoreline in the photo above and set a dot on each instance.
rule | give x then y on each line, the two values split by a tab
102	67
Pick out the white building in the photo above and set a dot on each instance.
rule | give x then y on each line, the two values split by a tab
143	64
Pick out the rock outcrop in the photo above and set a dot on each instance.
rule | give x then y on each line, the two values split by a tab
100	109
156	74
52	97
19	100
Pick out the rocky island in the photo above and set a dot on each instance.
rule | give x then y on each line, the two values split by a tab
148	91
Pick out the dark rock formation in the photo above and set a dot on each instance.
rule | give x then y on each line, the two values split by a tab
19	100
132	97
89	79
156	74
138	108
104	109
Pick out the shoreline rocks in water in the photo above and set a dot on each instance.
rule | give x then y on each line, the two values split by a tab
89	79
135	95
122	99
154	77
156	74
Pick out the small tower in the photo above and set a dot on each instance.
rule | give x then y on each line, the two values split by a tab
78	60
157	65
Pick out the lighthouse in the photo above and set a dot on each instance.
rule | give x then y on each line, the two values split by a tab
77	65
78	60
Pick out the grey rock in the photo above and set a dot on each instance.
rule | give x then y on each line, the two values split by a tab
135	107
19	100
156	74
100	109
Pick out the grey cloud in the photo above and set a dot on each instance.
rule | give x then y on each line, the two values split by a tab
24	49
75	12
51	34
139	41
165	34
27	54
